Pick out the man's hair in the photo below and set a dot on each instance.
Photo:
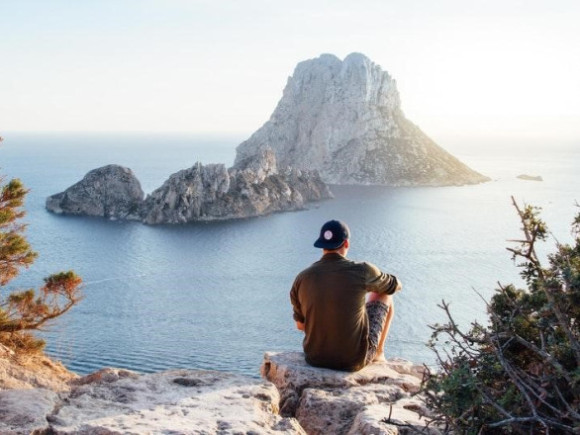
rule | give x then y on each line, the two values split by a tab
335	249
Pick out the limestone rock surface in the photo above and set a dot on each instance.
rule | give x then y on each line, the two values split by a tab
114	401
344	119
380	399
299	399
24	411
111	191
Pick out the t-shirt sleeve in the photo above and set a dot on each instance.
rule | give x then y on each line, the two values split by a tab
297	309
378	281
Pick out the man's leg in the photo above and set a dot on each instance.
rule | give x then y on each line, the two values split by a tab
388	301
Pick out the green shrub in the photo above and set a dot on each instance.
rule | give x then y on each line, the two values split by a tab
520	373
26	310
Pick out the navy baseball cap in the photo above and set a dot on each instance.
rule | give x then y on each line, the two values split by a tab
332	235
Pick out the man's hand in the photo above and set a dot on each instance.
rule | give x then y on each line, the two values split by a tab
300	325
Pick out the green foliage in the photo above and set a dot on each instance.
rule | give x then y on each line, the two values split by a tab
15	251
27	310
519	374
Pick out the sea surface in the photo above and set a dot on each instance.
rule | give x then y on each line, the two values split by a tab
215	295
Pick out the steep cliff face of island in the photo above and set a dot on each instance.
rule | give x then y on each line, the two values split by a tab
112	192
344	119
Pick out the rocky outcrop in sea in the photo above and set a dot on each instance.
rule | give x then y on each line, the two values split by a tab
200	193
344	119
294	398
527	177
212	192
111	191
338	122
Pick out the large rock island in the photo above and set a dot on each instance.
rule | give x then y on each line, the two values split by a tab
344	119
200	193
338	122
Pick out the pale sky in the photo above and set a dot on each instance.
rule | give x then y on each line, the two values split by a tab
463	67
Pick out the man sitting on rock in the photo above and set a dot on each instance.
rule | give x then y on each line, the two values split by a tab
342	330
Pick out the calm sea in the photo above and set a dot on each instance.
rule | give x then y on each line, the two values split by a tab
215	296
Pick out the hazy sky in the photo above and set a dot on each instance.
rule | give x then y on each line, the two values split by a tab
463	67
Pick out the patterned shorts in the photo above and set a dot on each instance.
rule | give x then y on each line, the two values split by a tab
377	314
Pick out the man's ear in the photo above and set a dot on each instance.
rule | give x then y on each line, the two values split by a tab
346	244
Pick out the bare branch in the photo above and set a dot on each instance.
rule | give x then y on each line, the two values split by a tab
519	372
547	357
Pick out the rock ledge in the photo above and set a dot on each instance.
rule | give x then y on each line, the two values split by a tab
42	397
380	399
115	401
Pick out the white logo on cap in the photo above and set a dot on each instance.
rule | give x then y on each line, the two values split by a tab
328	235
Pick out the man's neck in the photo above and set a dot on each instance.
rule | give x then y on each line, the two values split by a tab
342	252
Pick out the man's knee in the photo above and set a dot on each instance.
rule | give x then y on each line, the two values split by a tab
381	297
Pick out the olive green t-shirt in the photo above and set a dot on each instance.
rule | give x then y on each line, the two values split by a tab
329	298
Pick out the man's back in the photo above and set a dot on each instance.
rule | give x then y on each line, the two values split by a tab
329	298
341	331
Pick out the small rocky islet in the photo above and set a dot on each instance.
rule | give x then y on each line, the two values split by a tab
527	177
338	122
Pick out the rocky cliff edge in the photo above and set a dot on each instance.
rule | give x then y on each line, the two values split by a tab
116	401
380	399
294	398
